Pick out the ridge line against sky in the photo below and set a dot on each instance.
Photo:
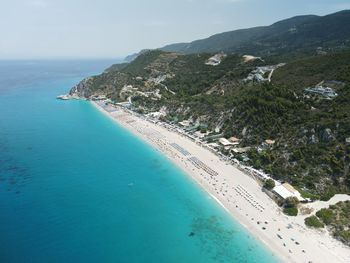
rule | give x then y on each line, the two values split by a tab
34	29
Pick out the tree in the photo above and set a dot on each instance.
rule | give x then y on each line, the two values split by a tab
291	201
291	211
269	184
313	221
291	206
326	215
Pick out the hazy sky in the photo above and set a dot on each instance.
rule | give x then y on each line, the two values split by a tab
115	28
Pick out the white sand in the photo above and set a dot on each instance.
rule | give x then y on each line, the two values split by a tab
322	204
239	194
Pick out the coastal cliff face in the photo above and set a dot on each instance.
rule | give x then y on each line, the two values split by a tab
298	99
82	89
104	84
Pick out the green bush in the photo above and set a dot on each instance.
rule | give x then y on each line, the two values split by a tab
291	211
269	184
327	195
326	215
337	219
345	235
291	201
333	207
270	110
306	194
313	221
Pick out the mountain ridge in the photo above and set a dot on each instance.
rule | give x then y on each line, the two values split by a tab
270	39
295	97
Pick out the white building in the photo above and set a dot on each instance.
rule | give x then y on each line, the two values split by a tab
285	190
225	142
234	140
185	123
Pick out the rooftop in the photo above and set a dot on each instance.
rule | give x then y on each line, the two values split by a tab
286	190
268	141
234	139
225	142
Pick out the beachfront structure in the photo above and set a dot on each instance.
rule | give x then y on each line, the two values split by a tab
241	150
98	97
234	140
200	135
213	136
225	142
125	104
260	174
192	128
213	145
156	114
285	190
185	123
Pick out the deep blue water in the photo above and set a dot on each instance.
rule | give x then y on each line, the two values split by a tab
65	175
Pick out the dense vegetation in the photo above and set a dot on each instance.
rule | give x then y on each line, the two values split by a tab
297	33
313	221
310	131
336	218
269	184
290	206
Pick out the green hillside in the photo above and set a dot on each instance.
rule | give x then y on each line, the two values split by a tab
276	97
297	33
310	131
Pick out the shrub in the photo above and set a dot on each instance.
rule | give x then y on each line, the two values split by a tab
333	207
344	235
326	215
327	195
313	221
307	194
291	211
203	130
291	202
269	184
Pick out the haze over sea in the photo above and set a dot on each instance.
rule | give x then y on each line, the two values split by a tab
76	187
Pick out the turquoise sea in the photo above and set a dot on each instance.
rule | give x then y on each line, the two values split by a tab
76	187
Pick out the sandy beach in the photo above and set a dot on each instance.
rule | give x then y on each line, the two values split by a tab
237	192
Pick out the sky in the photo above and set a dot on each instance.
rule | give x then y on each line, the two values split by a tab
50	29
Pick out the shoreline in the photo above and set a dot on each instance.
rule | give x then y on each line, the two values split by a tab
287	238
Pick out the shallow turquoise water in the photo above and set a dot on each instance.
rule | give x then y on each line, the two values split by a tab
75	187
